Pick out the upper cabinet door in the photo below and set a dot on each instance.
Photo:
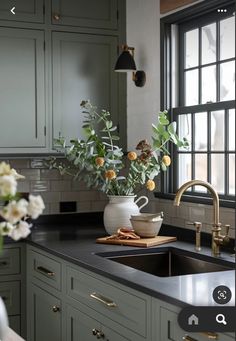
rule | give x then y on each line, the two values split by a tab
89	13
25	10
22	100
83	68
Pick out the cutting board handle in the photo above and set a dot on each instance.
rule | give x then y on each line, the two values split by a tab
145	201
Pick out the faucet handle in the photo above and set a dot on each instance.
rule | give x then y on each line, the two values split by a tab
196	224
226	238
227	227
198	227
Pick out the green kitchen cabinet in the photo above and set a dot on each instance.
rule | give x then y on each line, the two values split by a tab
167	327
25	10
12	285
22	89
72	304
85	13
44	315
53	55
83	68
81	327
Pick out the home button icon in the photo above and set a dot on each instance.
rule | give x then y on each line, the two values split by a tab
193	320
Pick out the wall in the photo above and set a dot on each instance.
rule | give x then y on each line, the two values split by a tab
55	188
143	34
143	20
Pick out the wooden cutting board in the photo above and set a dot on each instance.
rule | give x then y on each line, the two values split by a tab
142	242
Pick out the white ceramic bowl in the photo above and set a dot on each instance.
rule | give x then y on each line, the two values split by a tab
146	228
147	216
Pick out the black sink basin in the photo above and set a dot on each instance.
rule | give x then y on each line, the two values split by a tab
171	262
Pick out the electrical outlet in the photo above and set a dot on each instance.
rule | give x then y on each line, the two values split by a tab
68	206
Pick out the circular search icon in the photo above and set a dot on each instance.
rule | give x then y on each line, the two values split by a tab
222	294
220	318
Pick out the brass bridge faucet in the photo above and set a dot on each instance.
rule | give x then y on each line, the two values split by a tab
217	238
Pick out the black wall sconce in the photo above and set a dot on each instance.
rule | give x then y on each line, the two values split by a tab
126	63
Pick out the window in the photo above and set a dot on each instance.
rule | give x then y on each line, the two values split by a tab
198	62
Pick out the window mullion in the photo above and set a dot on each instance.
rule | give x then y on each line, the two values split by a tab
226	150
217	61
209	146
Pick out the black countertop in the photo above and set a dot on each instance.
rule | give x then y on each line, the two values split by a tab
76	244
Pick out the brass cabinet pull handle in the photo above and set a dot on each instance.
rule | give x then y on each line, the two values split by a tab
211	336
56	16
46	271
3	263
103	300
55	308
188	338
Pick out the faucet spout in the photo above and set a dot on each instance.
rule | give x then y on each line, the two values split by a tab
185	186
217	238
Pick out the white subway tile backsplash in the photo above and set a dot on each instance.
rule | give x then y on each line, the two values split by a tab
19	163
83	206
69	196
23	186
197	213
30	174
54	188
50	174
51	197
54	208
97	206
60	185
38	163
78	185
88	195
39	186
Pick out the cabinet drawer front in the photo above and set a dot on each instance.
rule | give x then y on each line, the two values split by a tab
10	293
170	330
45	269
117	304
10	261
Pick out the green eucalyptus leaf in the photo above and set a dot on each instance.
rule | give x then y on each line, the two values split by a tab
172	128
115	137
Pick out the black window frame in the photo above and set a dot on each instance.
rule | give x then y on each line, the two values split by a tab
186	17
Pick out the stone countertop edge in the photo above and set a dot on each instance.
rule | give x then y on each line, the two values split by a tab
181	291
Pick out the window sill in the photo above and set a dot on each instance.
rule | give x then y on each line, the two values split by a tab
195	199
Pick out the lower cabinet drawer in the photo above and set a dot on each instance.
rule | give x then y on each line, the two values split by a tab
14	323
170	330
10	261
10	293
124	307
45	269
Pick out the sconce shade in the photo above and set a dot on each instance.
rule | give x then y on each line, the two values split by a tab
125	62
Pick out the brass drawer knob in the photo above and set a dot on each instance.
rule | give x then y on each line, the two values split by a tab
56	16
55	308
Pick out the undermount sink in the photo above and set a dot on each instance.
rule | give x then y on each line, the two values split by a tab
171	262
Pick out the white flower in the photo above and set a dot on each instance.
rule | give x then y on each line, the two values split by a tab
36	206
16	175
6	228
15	210
5	169
8	185
21	230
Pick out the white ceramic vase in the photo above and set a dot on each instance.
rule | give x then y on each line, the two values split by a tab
3	319
118	211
